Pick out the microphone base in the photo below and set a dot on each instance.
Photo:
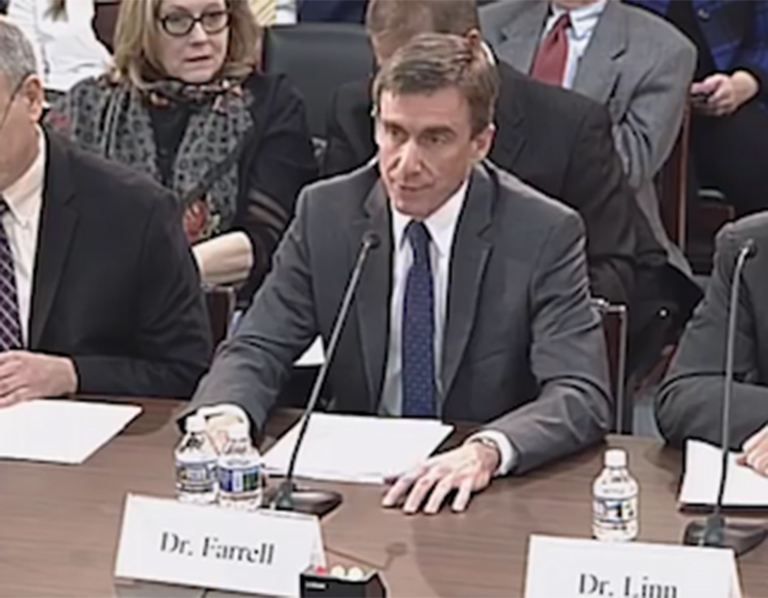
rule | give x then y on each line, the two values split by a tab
715	532
300	500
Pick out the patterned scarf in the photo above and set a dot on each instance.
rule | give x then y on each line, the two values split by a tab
112	120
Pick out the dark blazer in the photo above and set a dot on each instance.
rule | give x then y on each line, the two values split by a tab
115	286
523	349
736	34
554	140
689	402
332	11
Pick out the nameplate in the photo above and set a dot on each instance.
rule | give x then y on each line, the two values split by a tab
261	552
569	568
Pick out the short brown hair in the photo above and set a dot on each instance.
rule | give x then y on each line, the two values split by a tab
136	42
431	62
399	21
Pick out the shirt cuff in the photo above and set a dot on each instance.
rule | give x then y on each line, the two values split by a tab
225	409
506	450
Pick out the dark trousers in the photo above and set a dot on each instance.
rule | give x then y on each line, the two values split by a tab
730	154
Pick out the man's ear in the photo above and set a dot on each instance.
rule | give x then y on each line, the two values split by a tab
33	93
483	142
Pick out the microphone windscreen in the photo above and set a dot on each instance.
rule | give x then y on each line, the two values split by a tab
371	239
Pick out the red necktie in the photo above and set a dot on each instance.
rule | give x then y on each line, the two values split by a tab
549	64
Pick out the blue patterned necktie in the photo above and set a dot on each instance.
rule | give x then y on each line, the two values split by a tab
10	326
418	348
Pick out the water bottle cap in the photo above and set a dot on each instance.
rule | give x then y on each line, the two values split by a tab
616	458
195	423
238	431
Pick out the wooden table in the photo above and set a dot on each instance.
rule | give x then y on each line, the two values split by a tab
59	524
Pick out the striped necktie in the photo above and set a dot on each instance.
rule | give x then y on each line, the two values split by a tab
265	12
10	323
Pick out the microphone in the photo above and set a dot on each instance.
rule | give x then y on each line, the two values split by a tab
715	531
288	496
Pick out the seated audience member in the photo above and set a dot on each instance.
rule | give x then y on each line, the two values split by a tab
186	105
730	94
61	32
98	290
632	62
558	142
475	306
690	401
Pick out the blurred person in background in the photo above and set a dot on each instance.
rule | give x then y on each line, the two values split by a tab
187	105
65	44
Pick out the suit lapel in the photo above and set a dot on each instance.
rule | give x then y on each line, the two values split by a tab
373	294
468	260
598	70
520	37
58	221
510	140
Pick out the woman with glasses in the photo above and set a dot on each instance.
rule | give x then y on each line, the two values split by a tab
62	35
187	105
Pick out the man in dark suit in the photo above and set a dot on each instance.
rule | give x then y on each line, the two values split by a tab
689	402
556	141
98	290
474	307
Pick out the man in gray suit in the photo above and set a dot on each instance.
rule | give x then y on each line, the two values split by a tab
690	401
634	63
475	306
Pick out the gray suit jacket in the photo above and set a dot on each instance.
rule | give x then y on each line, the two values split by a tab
523	349
689	402
637	65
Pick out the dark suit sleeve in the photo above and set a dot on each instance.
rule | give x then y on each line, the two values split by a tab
689	402
283	164
172	340
595	183
567	358
340	156
250	368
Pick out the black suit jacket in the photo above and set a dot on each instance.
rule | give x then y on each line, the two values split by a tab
523	349
554	140
115	286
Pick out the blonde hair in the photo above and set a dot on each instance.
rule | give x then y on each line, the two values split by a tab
136	54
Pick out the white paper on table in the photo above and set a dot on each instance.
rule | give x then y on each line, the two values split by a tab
314	356
703	464
353	448
60	431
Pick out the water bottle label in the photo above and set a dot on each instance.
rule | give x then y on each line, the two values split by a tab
237	480
615	512
197	477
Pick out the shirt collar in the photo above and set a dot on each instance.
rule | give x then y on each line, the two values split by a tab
441	224
583	19
20	196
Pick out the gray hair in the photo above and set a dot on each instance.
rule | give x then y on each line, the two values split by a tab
17	59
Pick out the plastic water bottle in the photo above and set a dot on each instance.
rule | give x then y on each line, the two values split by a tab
240	476
615	500
196	461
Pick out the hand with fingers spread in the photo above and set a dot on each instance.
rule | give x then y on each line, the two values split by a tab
467	469
756	452
25	375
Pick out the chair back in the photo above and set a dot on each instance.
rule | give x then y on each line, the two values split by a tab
318	58
221	307
672	185
615	322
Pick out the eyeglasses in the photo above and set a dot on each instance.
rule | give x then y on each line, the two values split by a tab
180	24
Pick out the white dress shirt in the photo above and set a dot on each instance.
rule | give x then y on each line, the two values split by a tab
286	12
66	49
583	22
22	223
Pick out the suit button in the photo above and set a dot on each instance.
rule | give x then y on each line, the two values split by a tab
703	14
